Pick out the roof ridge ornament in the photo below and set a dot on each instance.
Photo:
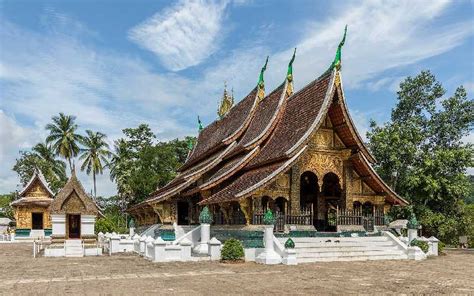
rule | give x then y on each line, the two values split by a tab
226	104
261	82
200	128
338	58
289	75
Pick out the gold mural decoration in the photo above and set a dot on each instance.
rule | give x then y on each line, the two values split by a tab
37	191
73	204
324	138
23	217
245	206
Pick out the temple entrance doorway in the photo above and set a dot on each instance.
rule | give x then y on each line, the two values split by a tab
183	213
309	191
74	226
37	220
331	191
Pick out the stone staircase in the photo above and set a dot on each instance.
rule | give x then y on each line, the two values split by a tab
73	248
326	249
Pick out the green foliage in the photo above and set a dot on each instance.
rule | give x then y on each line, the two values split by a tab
441	247
421	153
268	218
289	244
63	137
421	244
41	158
5	208
114	219
205	217
232	250
140	165
94	155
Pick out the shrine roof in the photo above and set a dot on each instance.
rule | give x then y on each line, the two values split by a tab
303	112
37	176
72	188
28	201
222	132
366	172
251	181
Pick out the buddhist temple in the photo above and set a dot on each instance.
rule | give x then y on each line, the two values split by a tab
32	209
297	153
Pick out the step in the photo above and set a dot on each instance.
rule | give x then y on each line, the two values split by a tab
345	249
354	258
333	244
348	254
340	239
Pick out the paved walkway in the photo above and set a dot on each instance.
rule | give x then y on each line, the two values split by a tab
129	274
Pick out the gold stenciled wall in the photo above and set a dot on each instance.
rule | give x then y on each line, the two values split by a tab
24	220
23	212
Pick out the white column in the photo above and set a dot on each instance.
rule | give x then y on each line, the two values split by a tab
269	256
412	234
203	247
59	224
185	249
87	224
215	249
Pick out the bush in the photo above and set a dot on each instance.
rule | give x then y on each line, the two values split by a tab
441	247
421	244
232	250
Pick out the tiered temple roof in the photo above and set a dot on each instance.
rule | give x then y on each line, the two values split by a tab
35	193
259	139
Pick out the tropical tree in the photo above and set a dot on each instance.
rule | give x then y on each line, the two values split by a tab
45	152
422	153
63	136
94	155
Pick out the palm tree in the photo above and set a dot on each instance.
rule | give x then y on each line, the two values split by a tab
95	154
46	153
62	134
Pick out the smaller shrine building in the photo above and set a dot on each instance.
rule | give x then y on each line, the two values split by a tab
32	209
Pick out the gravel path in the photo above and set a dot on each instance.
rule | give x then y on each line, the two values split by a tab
130	274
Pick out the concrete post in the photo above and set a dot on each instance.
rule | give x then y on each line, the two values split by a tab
412	234
185	249
203	247
433	246
215	249
142	244
159	255
290	257
131	231
114	243
149	247
269	256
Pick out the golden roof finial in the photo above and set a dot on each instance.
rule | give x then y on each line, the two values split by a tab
226	102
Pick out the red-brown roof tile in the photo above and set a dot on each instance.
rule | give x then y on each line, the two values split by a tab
300	114
217	134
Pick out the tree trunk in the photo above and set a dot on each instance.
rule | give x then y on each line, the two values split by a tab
93	177
70	164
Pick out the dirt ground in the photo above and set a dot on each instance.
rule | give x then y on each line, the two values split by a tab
130	274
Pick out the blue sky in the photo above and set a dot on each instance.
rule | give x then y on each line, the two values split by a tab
116	64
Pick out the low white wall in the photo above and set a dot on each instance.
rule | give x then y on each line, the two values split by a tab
87	224
59	224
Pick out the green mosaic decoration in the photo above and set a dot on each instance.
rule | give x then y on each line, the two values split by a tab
200	128
289	73
338	58
412	222
205	217
268	218
261	82
131	223
289	244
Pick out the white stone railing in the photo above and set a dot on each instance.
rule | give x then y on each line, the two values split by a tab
194	236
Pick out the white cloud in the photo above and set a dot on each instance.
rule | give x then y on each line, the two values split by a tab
183	35
469	86
109	91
